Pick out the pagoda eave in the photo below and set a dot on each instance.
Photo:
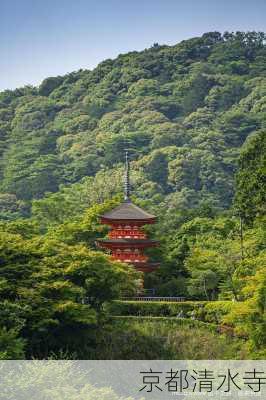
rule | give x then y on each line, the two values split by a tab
125	244
138	222
145	267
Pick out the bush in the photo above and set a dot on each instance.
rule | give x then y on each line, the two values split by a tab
11	346
216	310
166	338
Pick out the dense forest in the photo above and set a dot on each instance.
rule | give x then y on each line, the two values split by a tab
192	117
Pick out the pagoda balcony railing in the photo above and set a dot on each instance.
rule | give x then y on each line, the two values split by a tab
122	234
130	258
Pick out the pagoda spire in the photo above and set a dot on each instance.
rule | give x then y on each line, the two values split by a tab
126	240
127	179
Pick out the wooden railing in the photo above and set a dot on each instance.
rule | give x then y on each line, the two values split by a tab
154	298
129	233
130	257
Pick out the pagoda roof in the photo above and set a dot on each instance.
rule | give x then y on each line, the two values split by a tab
128	211
145	266
128	241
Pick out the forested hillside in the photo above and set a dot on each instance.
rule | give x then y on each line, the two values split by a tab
193	119
184	111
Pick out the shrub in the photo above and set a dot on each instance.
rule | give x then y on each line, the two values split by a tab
152	338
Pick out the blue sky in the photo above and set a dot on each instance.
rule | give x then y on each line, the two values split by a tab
41	38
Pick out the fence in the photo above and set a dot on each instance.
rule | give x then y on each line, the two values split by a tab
154	298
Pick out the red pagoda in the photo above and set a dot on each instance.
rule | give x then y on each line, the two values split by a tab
126	239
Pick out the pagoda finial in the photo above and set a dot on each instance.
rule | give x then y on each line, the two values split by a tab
127	179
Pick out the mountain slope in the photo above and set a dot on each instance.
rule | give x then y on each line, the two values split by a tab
184	112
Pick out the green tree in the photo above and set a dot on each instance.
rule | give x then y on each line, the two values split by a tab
250	179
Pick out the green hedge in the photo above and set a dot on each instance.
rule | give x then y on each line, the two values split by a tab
212	312
171	321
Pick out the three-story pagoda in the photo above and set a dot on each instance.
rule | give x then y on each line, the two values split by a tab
126	239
